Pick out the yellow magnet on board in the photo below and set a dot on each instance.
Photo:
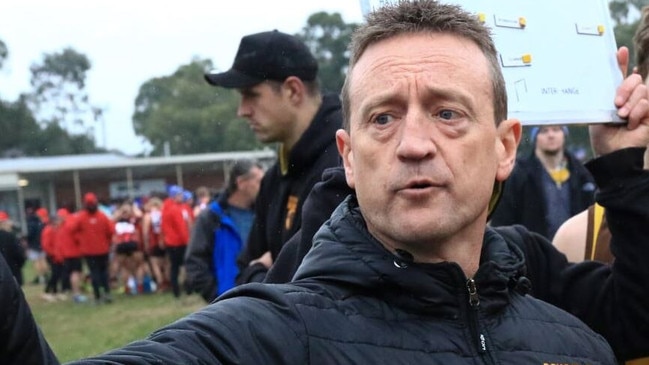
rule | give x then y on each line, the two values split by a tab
482	17
527	58
600	29
522	21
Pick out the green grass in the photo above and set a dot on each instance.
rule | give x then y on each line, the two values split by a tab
76	331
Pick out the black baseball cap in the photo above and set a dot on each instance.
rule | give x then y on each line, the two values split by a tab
267	56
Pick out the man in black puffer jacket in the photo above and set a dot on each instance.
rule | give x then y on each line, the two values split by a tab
597	293
406	270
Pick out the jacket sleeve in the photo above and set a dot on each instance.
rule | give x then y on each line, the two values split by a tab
46	241
199	264
611	299
110	228
22	341
270	332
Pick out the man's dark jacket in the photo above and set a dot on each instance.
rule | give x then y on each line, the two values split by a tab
312	154
523	199
354	302
199	257
612	300
21	340
34	228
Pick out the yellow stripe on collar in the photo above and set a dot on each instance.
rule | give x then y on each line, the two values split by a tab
282	156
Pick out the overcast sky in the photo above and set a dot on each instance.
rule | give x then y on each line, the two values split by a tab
130	42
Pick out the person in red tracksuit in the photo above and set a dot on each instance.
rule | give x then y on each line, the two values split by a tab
69	249
94	232
54	258
175	232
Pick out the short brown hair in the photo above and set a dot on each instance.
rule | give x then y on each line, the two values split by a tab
425	16
641	44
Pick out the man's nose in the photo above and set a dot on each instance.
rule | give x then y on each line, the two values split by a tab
243	110
416	137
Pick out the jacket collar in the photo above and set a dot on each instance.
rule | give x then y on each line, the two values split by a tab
346	255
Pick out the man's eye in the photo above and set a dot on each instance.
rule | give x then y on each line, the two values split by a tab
383	119
447	114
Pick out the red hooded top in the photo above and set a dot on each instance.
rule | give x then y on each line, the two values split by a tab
94	232
64	238
49	244
174	226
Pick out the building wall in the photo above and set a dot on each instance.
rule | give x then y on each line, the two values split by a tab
56	189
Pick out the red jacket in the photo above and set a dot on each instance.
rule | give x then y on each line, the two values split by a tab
48	243
174	226
94	232
64	238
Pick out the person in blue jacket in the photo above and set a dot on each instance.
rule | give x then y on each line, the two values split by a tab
221	231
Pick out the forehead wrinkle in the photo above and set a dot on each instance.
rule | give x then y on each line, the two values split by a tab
399	70
416	78
434	67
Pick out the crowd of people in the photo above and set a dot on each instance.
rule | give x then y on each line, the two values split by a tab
398	224
129	246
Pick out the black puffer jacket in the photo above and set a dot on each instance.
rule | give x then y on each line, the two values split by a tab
21	341
612	300
353	302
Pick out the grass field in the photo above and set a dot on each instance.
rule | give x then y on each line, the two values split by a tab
79	330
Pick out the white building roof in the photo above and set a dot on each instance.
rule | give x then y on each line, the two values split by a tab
109	160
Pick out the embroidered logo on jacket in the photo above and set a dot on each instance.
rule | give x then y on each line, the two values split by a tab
291	208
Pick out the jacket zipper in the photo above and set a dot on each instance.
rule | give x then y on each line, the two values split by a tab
474	325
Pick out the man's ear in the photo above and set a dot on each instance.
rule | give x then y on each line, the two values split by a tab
239	181
294	89
509	136
343	142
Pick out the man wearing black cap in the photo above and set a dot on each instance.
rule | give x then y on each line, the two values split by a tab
276	75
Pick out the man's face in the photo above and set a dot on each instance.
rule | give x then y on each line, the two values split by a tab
266	110
423	149
550	140
250	183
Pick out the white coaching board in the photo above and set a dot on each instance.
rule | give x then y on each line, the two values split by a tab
558	57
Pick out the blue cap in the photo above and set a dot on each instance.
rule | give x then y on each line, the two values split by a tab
187	195
174	190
